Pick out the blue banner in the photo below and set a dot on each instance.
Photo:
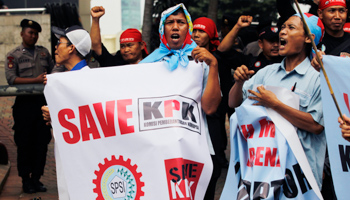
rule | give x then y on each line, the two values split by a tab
262	162
338	72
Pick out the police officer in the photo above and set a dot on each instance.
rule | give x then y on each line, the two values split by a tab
27	64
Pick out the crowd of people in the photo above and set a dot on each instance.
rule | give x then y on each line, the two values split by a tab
281	56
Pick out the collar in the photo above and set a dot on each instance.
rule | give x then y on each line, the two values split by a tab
79	66
21	47
300	69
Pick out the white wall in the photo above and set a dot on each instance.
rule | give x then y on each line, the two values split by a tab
111	22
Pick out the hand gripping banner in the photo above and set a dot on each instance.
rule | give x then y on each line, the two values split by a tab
129	132
267	160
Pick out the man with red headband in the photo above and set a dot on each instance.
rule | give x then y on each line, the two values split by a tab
333	14
132	48
206	35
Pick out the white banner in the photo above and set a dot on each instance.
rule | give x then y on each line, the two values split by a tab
338	72
129	132
267	160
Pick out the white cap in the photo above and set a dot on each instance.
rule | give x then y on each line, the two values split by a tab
79	37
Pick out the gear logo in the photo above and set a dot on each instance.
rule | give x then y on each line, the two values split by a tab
118	179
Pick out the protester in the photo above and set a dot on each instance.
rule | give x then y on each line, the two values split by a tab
27	64
336	41
132	48
73	46
253	47
227	23
176	46
268	42
296	72
333	14
345	127
205	35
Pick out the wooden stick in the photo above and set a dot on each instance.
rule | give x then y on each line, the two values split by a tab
319	60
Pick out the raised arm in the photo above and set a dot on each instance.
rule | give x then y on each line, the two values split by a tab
229	40
96	13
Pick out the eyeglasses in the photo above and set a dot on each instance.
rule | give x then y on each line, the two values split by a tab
59	42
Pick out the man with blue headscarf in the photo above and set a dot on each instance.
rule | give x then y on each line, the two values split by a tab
295	73
177	48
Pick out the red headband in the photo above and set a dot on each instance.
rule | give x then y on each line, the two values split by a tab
132	35
346	27
208	25
327	3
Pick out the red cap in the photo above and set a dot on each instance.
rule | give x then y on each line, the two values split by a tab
327	3
132	35
208	25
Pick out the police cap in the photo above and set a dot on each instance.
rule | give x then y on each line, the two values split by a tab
31	24
270	33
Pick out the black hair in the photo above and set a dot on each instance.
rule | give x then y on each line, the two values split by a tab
180	10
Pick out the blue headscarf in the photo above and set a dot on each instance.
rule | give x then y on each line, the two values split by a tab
177	57
315	25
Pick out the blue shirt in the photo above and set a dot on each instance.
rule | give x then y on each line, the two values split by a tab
79	66
308	88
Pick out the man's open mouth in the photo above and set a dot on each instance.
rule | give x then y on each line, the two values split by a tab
282	42
175	36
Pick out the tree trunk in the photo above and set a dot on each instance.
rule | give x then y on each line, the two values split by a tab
147	23
213	10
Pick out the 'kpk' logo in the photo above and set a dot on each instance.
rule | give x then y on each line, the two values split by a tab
168	112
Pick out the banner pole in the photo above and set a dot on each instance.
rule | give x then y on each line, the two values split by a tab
319	60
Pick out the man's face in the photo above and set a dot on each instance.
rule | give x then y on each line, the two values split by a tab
63	48
29	36
201	38
292	37
333	18
269	47
132	52
175	30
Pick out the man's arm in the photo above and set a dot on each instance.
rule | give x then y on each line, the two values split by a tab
212	95
96	44
11	68
38	79
229	40
299	119
241	75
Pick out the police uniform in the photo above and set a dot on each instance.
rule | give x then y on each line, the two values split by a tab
31	134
